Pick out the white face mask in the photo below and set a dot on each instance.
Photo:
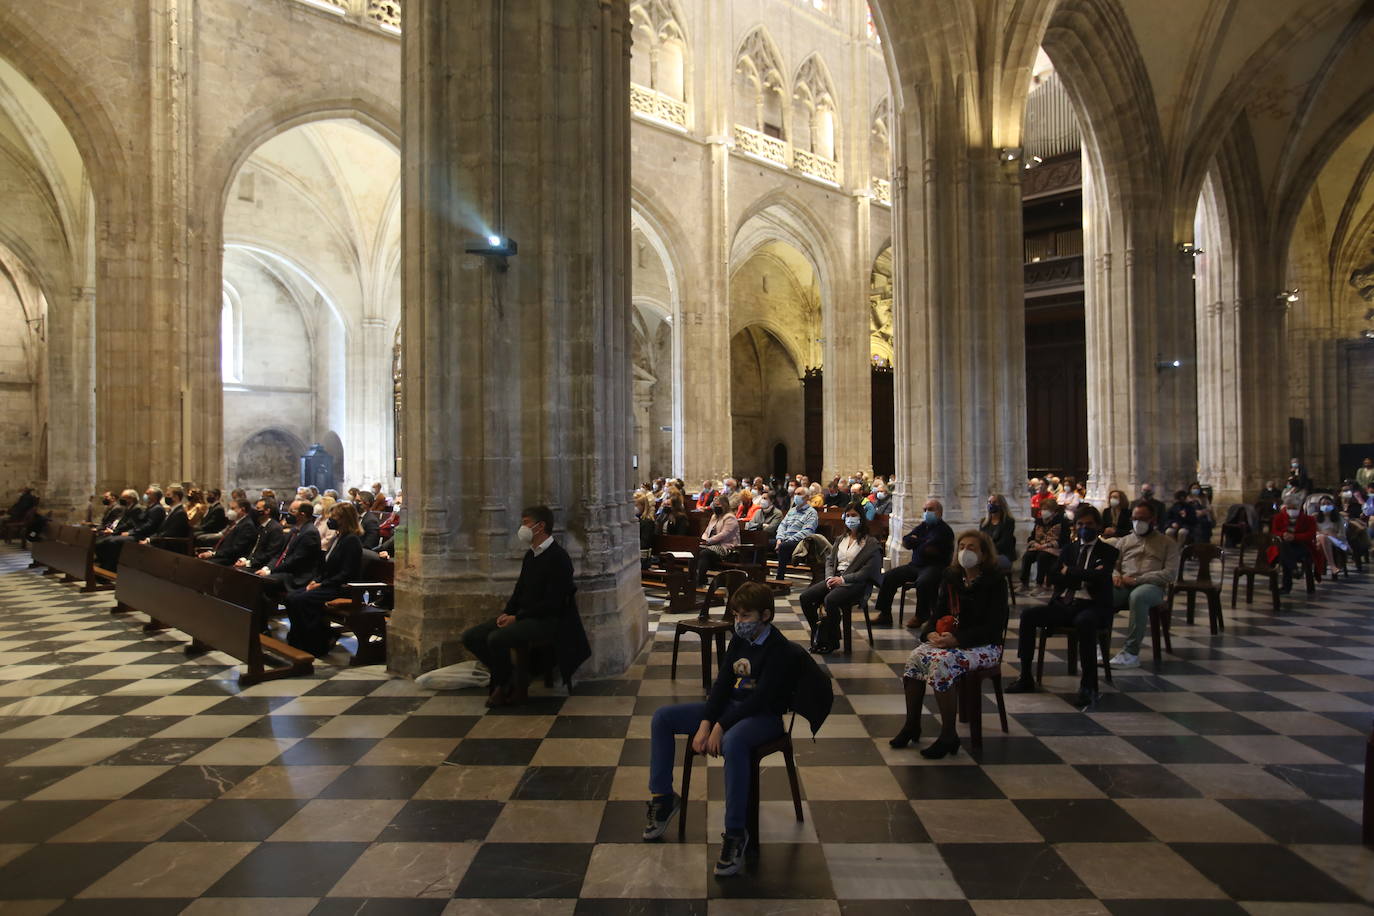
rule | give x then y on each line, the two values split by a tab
765	504
232	515
968	558
1140	527
525	534
1114	501
1292	513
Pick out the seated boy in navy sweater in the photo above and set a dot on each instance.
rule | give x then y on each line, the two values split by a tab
744	710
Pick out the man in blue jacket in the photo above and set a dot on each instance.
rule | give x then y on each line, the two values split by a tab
932	550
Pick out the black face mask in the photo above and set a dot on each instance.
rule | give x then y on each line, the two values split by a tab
106	501
333	524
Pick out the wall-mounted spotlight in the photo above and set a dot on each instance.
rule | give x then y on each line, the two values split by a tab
1289	295
1369	333
1032	162
1190	249
1163	364
1010	153
496	247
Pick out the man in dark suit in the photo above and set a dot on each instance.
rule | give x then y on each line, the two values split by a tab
215	519
1082	599
370	520
932	550
113	510
237	540
542	595
293	567
107	549
175	524
270	538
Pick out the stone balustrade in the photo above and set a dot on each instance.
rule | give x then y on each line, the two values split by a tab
761	146
381	14
653	105
819	167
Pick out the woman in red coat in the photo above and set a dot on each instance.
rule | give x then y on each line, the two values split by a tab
1297	534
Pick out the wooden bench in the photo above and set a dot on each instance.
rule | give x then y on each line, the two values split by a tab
358	613
68	549
219	607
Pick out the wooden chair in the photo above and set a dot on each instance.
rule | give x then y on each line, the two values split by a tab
846	617
360	612
1104	643
710	631
1259	565
971	696
1204	555
780	745
1159	625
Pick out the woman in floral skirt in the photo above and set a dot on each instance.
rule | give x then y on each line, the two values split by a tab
964	634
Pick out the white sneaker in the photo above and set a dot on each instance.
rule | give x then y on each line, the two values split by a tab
1124	659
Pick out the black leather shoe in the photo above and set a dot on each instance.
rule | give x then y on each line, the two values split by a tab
905	737
1022	685
883	620
1086	699
941	748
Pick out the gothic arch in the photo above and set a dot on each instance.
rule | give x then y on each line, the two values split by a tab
777	215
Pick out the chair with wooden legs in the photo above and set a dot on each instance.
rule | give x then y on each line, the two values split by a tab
711	631
1256	548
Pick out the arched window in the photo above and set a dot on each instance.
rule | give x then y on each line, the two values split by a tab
758	86
658	61
815	125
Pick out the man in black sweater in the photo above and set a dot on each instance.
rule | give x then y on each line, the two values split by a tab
542	595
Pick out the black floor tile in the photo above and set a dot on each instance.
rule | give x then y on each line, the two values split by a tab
1274	683
434	727
1082	820
495	751
132	727
608	907
130	906
159	751
282	727
1182	749
442	822
867	822
55	871
589	727
1291	821
21	782
906	908
288	870
837	752
1021	871
1055	724
1174	907
1334	781
1001	750
188	781
247	706
1348	749
1262	871
378	906
1218	723
385	706
925	782
623	822
1249	701
780	871
14	748
235	820
342	687
326	751
526	870
106	706
38	821
378	782
1137	780
565	784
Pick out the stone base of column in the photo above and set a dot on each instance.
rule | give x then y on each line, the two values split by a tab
427	626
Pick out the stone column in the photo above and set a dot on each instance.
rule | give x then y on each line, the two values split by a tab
1140	317
373	394
703	406
71	405
516	374
958	324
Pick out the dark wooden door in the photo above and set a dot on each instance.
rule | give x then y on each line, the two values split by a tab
814	429
884	419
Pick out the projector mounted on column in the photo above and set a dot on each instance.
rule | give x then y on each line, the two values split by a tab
496	247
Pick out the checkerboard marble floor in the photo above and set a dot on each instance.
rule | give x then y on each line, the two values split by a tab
136	780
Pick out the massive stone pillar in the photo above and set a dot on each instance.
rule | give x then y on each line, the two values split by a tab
1139	320
702	341
516	372
958	322
71	405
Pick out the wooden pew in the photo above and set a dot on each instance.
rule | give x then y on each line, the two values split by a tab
69	549
359	614
219	607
